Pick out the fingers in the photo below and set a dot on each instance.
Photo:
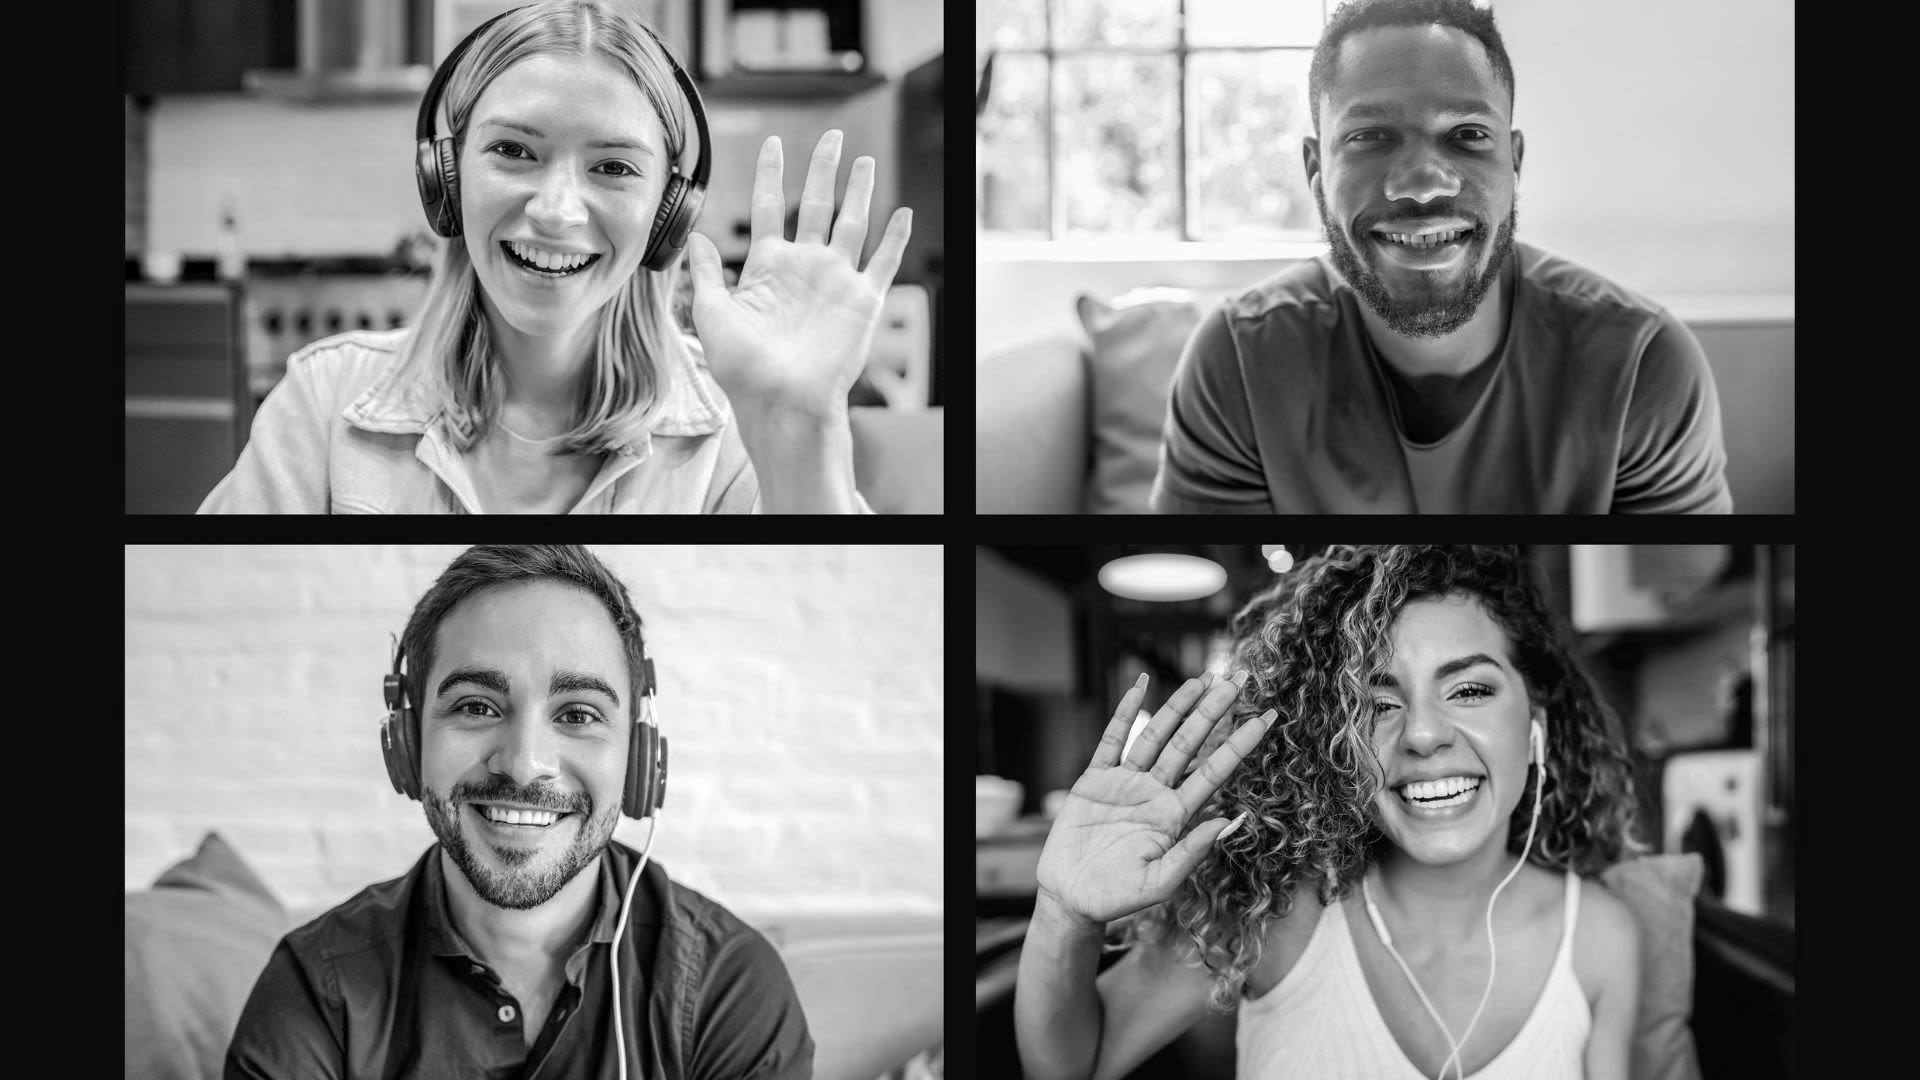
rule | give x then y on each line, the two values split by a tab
1108	752
1220	764
1152	738
768	214
886	257
816	200
1183	858
703	259
1191	734
850	227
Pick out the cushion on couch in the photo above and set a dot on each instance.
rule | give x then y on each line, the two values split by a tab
1030	429
1136	344
1660	891
899	458
195	943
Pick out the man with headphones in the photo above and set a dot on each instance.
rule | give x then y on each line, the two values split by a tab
526	941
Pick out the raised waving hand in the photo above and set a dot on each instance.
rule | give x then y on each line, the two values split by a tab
1121	841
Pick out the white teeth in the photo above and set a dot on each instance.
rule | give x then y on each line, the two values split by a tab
1434	789
520	817
547	260
1426	241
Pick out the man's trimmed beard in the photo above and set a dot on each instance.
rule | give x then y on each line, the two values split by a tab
517	887
1426	317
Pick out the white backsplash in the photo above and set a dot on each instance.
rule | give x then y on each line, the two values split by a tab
338	180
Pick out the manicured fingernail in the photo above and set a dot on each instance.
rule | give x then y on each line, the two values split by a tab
1224	833
1270	717
1206	679
1240	677
1141	682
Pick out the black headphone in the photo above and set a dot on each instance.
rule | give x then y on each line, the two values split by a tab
646	787
436	165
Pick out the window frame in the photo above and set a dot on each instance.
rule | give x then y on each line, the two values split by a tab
1024	242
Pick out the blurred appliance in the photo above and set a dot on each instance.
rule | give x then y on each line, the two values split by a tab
284	314
355	51
921	139
188	408
900	363
1621	586
1712	800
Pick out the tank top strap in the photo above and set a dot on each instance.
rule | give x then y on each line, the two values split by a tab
1572	912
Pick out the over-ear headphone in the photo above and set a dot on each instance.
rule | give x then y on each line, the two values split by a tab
646	786
436	165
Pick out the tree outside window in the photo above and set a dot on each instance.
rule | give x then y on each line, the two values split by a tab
1164	119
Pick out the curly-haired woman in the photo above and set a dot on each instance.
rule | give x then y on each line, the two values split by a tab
1376	867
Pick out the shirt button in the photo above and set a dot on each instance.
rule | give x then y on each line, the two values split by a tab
506	1014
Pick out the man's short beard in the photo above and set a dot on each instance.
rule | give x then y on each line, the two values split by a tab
1423	317
517	888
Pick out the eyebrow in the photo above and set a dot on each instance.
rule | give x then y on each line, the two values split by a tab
485	678
1451	667
579	682
597	144
1452	110
563	682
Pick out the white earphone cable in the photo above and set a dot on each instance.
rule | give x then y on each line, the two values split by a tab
1380	927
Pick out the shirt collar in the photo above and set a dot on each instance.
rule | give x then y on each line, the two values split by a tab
403	400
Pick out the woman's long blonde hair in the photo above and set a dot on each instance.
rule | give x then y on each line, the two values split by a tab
629	373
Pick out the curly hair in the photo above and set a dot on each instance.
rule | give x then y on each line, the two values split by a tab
1311	645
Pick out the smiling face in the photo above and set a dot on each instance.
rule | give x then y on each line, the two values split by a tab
525	707
1452	721
554	189
1417	140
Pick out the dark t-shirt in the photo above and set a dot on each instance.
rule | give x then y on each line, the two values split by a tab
1599	401
383	986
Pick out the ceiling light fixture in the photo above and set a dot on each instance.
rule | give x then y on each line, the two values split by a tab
1163	577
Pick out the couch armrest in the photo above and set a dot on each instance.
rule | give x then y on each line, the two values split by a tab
1030	429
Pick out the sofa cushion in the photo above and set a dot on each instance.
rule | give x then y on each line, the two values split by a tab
899	459
1136	344
195	943
1660	890
1030	429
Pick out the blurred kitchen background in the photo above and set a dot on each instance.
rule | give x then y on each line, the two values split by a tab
1691	647
271	199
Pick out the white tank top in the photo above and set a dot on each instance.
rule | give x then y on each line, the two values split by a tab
1321	1021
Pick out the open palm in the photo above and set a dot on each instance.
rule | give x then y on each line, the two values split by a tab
1121	842
794	332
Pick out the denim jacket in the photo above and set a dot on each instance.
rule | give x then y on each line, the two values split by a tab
349	431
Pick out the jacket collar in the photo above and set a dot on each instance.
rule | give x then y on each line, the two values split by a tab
402	401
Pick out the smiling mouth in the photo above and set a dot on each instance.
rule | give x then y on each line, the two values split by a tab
1426	244
542	271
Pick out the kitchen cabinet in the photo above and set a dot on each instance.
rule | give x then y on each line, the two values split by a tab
203	46
188	409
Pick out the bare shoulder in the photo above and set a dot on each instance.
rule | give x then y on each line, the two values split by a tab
1286	940
1606	939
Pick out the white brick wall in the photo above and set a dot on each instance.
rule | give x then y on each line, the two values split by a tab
801	694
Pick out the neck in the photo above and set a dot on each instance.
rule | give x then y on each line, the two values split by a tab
1455	354
541	375
1450	901
535	940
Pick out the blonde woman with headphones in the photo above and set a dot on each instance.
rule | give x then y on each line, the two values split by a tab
1384	860
545	372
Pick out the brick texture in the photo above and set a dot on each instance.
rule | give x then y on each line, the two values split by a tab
801	695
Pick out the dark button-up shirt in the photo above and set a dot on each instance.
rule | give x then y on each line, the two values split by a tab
384	986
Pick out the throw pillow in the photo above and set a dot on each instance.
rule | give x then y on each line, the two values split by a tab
195	943
1660	891
1136	345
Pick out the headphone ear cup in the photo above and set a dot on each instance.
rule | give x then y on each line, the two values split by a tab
661	251
449	188
397	744
639	798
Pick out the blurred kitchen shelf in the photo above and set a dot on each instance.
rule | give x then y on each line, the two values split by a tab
778	87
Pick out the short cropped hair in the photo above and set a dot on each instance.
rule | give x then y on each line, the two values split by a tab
480	568
1358	15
